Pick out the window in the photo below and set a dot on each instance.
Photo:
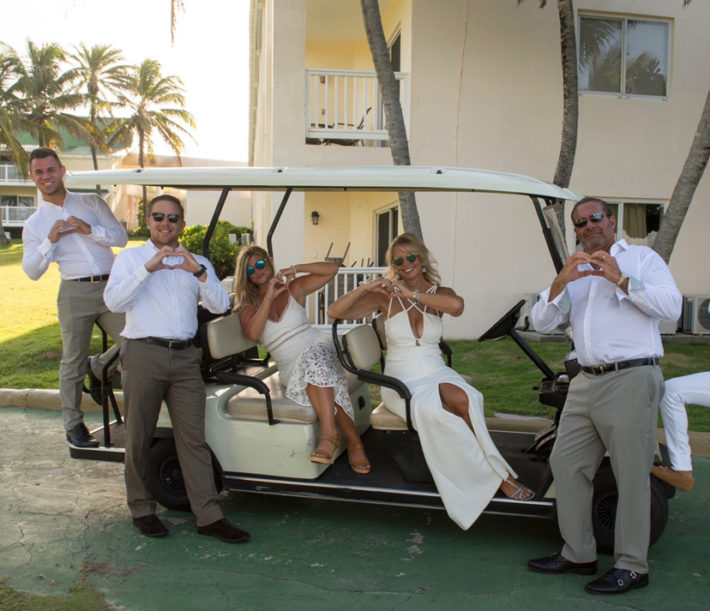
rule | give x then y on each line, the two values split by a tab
624	56
387	222
637	222
26	201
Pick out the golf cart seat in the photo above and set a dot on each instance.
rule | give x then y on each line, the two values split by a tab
366	346
257	425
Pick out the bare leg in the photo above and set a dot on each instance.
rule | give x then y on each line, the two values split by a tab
323	402
356	451
455	400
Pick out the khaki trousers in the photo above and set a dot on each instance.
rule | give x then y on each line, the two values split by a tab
79	306
151	374
615	412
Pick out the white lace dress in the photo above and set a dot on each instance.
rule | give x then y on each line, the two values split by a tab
304	356
467	467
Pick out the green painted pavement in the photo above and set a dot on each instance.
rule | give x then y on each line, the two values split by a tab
59	517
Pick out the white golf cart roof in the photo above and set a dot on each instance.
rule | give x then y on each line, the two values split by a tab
361	178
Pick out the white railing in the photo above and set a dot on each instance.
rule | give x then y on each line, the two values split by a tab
345	106
15	216
347	279
9	172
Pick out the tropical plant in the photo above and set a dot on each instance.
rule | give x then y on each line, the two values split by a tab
100	79
222	252
156	105
48	94
397	132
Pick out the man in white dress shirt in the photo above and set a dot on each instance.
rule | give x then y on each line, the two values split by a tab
158	286
613	296
77	231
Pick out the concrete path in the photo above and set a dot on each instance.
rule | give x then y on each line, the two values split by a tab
60	516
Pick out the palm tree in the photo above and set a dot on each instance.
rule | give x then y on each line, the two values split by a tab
100	79
399	144
156	103
48	92
683	192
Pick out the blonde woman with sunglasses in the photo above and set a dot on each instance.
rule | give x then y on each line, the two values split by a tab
271	308
447	412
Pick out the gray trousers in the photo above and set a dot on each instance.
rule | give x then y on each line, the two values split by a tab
79	306
151	374
615	412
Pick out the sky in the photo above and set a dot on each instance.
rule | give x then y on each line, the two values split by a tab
210	54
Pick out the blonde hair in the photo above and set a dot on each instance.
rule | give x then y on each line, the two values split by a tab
412	244
245	291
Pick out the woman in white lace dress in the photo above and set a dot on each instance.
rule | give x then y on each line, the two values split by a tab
270	305
446	411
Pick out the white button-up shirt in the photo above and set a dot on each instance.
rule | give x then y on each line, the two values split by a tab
77	255
162	303
607	324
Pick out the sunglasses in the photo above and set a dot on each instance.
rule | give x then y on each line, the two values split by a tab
260	264
411	257
159	216
595	218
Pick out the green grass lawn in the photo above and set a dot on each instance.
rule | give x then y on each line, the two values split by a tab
30	348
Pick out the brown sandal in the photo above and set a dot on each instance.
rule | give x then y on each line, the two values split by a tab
361	466
320	455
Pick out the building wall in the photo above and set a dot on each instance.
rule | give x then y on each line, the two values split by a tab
486	92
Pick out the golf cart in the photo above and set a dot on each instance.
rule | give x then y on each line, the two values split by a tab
261	441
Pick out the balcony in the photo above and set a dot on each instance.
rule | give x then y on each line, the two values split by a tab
11	174
15	216
344	107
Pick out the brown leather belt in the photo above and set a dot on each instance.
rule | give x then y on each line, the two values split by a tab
101	278
597	370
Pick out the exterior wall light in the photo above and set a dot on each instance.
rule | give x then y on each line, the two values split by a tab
315	217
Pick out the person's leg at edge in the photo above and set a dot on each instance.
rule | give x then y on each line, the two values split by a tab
323	401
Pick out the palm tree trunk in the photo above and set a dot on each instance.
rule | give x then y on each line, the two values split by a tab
570	112
399	145
684	190
141	163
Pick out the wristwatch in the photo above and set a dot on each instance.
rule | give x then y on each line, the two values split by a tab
200	271
623	278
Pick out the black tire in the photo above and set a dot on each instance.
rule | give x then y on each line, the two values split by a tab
604	509
165	477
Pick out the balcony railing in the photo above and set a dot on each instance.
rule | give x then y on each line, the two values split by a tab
347	279
15	216
345	107
9	172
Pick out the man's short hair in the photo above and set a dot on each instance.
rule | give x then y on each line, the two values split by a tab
585	200
43	152
169	198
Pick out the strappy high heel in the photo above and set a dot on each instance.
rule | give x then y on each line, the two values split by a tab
521	493
320	455
361	465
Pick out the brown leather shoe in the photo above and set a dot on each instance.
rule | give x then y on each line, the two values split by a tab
223	530
150	526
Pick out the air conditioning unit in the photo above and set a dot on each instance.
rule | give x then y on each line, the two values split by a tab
696	314
524	322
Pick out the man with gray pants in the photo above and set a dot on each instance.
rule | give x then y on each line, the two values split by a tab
77	231
613	296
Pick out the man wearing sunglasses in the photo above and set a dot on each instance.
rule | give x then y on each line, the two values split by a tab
158	286
77	231
613	295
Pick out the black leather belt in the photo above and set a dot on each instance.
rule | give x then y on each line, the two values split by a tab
597	370
101	278
173	344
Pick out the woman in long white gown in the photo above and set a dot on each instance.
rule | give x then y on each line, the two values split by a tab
271	309
446	411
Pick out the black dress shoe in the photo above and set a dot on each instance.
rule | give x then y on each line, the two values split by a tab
94	384
150	526
80	437
553	565
224	531
617	581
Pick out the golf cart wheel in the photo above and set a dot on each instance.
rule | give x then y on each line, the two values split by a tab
165	479
604	504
